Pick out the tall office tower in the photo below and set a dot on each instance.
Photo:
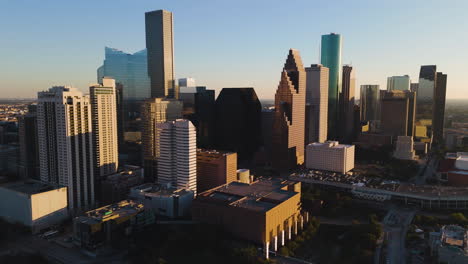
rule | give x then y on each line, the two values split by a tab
187	91
316	103
288	125
120	115
398	112
177	164
104	116
154	111
369	102
160	46
346	115
29	155
401	83
331	58
439	109
204	119
130	70
215	168
66	144
238	122
357	122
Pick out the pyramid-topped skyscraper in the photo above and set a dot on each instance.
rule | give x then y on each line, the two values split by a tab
289	120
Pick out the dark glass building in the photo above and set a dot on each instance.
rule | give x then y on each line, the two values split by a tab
29	156
346	115
238	122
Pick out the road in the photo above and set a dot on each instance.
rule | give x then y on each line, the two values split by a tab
395	226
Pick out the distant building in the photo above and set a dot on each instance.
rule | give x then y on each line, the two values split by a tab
331	58
398	112
369	102
330	156
268	116
116	187
64	127
450	245
155	111
215	168
289	123
371	140
414	87
29	153
130	70
266	211
243	175
238	122
404	148
34	204
454	169
316	103
9	159
346	106
164	201
177	163
400	83
101	226
160	46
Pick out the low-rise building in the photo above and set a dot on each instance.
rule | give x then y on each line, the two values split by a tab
116	187
330	156
450	244
110	223
404	148
34	204
454	169
266	211
163	200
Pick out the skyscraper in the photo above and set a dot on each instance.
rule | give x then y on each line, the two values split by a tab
154	111
346	114
66	143
398	109
29	154
238	122
331	58
177	164
288	125
104	116
401	83
130	70
370	96
439	109
316	104
160	46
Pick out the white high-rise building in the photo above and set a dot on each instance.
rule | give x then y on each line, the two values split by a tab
65	143
330	156
177	164
401	83
104	116
316	103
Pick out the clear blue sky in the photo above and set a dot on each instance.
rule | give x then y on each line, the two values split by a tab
227	43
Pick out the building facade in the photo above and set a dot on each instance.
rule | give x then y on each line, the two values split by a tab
160	46
331	58
154	111
238	122
400	83
215	168
29	153
369	102
330	156
104	119
316	103
66	144
398	113
177	163
404	148
346	107
289	123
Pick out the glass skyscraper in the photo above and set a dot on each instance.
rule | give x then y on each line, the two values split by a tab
130	70
370	98
331	58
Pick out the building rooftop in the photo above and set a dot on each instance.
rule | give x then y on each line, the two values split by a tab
432	190
330	144
121	209
261	195
153	189
454	236
29	187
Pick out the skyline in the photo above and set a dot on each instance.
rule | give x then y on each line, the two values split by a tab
211	46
